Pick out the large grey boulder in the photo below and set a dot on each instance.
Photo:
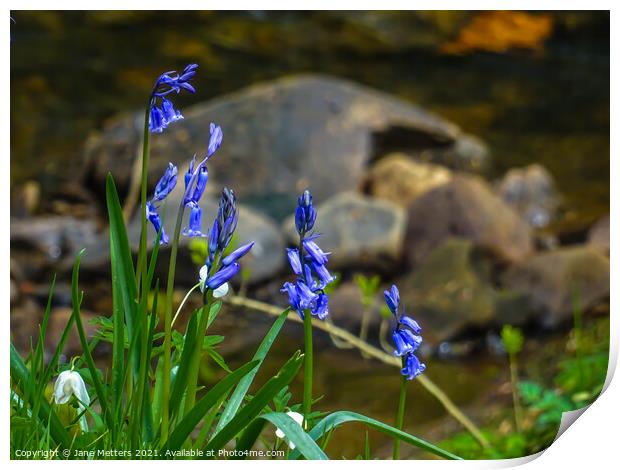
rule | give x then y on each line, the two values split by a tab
466	207
358	230
556	282
283	136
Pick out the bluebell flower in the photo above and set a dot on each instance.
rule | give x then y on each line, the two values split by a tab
237	254
293	259
307	292
412	367
314	251
222	230
223	275
194	226
166	183
162	112
406	336
227	217
305	215
392	299
201	184
215	140
153	216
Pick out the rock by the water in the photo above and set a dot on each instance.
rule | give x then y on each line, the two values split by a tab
554	280
598	235
531	192
346	309
400	179
358	230
450	292
466	207
283	136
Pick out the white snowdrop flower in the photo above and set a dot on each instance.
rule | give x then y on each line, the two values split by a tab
299	419
70	383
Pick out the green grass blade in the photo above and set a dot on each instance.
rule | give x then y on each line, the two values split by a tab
242	388
76	300
188	423
255	406
304	444
340	417
180	382
123	274
23	380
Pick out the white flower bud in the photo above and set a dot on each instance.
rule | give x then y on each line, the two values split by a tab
299	419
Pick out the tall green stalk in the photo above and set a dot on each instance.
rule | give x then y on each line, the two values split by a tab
307	403
400	415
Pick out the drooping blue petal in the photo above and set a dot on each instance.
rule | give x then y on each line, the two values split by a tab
413	367
323	274
237	254
321	309
293	259
153	216
411	323
315	251
300	219
223	275
156	120
392	299
215	140
195	222
170	114
190	172
166	183
412	340
307	298
201	183
402	345
293	297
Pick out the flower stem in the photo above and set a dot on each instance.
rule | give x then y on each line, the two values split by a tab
307	403
165	406
514	377
400	415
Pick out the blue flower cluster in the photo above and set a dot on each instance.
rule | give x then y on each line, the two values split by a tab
162	111
307	292
406	336
217	270
195	184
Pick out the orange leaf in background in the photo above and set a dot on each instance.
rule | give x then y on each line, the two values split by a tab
499	31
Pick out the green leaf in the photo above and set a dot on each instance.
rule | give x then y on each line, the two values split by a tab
180	382
124	289
237	397
340	417
218	359
255	406
23	380
304	444
76	300
200	409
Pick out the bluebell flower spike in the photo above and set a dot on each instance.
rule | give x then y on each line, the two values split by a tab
406	336
166	183
307	292
162	112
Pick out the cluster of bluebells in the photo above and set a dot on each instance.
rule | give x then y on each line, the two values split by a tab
195	183
162	112
308	290
217	271
406	336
